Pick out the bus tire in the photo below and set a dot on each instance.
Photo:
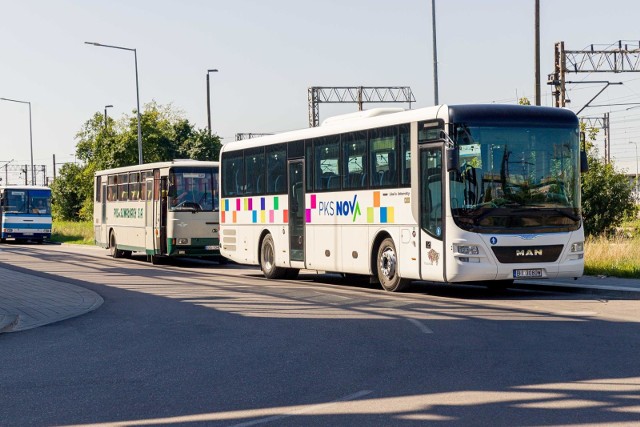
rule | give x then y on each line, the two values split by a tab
268	259
155	259
387	267
114	252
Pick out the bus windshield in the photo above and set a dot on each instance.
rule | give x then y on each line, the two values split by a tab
516	179
193	189
27	201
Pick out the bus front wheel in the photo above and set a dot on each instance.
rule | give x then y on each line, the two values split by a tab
387	267
268	260
113	248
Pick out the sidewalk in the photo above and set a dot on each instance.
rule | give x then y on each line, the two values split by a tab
601	285
28	301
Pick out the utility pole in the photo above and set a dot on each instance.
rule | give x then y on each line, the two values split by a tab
54	167
435	54
617	58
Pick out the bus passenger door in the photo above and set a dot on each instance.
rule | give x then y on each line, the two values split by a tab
296	211
149	215
104	238
432	195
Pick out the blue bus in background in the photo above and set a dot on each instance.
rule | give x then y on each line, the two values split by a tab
25	213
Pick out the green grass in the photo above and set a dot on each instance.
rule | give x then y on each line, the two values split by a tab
73	232
613	256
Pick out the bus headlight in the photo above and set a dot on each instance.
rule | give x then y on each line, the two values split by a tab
577	247
183	241
467	249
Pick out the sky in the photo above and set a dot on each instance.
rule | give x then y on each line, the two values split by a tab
268	52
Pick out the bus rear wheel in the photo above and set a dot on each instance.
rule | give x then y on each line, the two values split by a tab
387	267
114	252
268	260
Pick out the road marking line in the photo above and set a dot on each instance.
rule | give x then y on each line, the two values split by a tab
310	408
421	326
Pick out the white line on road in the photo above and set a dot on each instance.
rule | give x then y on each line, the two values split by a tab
421	326
306	409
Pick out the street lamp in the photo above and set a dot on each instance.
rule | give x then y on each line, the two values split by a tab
209	99
105	115
33	175
135	56
637	191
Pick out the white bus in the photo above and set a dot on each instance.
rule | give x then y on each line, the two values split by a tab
25	213
161	209
450	194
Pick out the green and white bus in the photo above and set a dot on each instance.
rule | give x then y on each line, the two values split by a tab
460	193
165	209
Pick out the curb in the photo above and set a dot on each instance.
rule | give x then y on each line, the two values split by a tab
8	322
612	291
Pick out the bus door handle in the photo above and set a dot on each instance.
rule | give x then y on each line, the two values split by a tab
427	245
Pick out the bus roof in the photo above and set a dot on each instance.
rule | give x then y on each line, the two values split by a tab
24	187
159	165
388	117
336	125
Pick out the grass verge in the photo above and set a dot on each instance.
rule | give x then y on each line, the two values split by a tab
613	256
73	232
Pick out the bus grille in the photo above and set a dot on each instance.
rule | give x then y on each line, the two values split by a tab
527	254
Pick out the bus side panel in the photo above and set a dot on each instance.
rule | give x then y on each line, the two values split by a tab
322	247
354	248
128	220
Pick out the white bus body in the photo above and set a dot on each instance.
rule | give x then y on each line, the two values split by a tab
25	213
160	209
446	194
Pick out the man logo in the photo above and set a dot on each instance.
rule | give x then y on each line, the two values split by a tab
528	252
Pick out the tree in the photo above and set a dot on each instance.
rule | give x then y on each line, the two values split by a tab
606	194
72	193
166	135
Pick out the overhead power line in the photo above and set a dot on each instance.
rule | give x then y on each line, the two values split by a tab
355	95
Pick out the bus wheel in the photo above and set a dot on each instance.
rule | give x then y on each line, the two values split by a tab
268	260
155	259
113	248
387	267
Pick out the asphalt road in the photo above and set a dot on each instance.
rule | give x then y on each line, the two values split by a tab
202	344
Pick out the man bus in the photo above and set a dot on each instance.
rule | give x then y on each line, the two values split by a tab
161	209
461	193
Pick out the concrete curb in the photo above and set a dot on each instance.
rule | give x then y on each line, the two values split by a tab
8	322
581	288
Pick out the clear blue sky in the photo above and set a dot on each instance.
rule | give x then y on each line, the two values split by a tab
269	52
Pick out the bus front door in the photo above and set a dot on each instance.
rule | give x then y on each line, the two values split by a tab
432	231
296	213
104	238
148	217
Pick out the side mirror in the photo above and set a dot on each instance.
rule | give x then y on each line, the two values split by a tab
453	160
584	163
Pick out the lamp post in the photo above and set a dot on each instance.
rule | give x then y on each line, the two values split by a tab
135	57
209	99
105	115
435	54
637	190
33	175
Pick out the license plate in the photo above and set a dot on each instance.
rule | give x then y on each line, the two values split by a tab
212	247
533	272
27	234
